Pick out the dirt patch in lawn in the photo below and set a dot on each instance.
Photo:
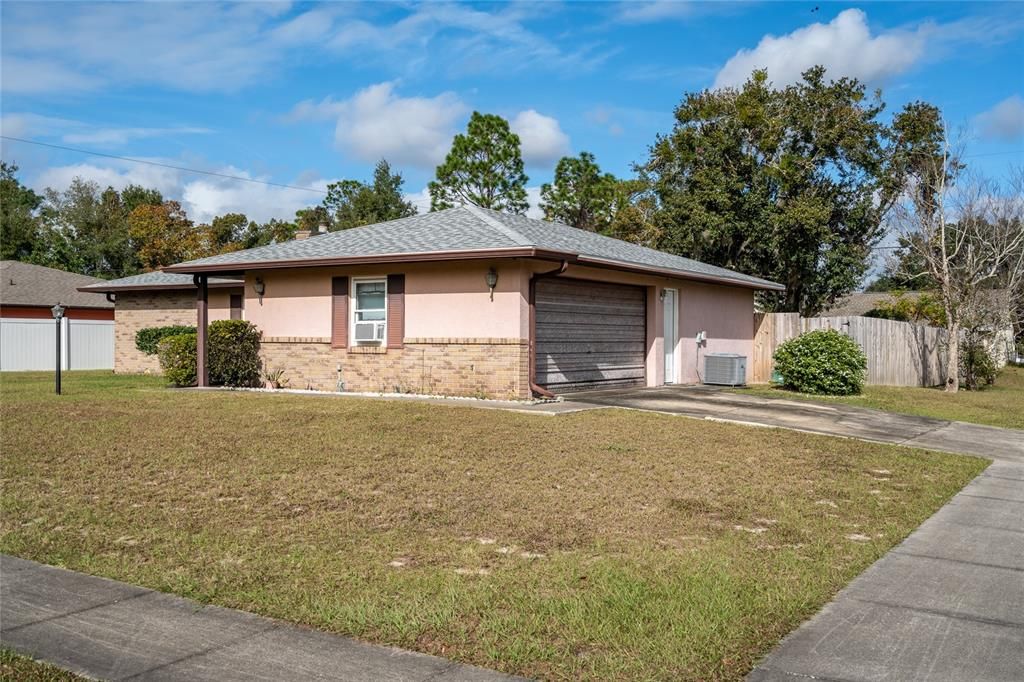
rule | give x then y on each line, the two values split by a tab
600	545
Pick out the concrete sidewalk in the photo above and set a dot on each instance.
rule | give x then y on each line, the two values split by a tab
114	631
948	603
945	605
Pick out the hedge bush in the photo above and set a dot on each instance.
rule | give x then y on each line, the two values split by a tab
823	361
178	358
977	366
234	353
146	340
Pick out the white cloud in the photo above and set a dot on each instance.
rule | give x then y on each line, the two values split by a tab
187	46
543	140
378	123
224	47
201	197
27	124
533	196
40	75
844	46
421	200
1004	121
119	136
205	198
464	40
659	10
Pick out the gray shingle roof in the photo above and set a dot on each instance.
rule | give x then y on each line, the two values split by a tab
154	280
28	284
469	228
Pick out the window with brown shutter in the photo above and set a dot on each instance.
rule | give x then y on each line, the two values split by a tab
236	306
339	312
396	311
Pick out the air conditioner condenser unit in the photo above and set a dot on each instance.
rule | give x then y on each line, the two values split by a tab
725	369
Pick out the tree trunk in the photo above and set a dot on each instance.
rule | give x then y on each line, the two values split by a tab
953	359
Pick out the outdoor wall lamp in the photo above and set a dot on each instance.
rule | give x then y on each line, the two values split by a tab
492	280
661	296
259	287
58	315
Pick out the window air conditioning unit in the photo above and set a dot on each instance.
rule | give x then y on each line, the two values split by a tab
725	369
369	332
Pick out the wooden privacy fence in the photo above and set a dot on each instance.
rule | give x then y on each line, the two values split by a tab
899	353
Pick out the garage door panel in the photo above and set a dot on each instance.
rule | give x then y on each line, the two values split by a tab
589	319
589	334
558	348
594	378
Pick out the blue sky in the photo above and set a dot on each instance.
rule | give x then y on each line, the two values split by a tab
304	94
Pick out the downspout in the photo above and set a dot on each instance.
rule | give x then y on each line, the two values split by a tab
533	326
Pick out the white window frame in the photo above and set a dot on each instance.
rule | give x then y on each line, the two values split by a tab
354	308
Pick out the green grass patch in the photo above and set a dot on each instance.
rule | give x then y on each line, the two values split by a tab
15	667
600	545
1001	404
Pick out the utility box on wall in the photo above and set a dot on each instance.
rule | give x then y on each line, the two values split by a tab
725	369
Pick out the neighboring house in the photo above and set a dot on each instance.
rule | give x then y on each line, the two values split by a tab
861	303
469	301
159	299
998	338
28	332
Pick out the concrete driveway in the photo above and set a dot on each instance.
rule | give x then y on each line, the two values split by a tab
827	418
945	604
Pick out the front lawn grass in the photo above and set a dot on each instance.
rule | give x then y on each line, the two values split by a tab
18	668
599	545
1001	404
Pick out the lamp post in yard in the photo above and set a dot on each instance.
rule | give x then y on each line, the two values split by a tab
58	315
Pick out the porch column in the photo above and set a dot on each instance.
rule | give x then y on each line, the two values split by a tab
202	317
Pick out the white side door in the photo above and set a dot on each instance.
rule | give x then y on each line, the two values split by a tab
671	334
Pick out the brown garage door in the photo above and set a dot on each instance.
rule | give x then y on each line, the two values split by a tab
590	335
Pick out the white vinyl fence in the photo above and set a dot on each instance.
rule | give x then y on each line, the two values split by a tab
29	344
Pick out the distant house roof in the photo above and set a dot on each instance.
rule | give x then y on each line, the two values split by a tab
864	302
861	303
25	284
154	280
467	232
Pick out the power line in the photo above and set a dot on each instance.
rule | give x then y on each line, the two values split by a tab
164	165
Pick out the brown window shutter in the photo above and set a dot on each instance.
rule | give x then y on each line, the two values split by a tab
339	312
396	310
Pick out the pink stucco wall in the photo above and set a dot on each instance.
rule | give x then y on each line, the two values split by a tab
220	303
446	300
450	300
726	314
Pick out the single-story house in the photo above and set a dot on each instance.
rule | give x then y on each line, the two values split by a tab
469	301
28	332
159	299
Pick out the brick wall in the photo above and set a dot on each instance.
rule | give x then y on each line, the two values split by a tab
491	368
137	310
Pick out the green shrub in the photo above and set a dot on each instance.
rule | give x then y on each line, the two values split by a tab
823	361
146	340
234	348
977	366
178	358
233	355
